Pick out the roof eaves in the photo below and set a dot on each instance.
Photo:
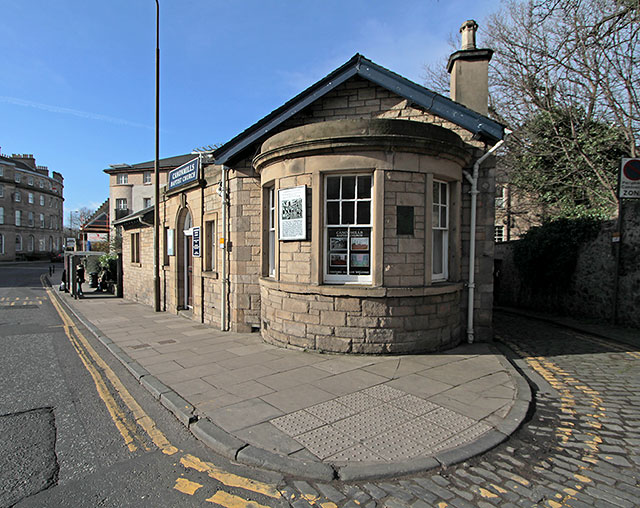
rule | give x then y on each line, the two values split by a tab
433	102
134	217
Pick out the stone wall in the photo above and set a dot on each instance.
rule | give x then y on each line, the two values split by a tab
138	277
361	324
591	291
404	255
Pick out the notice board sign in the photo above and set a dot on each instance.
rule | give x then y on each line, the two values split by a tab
187	173
195	242
630	179
292	213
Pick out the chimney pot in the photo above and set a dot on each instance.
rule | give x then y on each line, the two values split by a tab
468	31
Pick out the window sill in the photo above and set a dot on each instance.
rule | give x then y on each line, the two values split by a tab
354	290
136	264
209	275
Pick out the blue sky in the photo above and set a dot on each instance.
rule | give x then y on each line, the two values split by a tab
78	76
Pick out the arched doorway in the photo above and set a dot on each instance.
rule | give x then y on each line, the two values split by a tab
185	260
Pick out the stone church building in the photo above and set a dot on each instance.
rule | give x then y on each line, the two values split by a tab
342	221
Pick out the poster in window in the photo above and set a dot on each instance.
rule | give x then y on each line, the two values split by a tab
360	261
292	213
337	243
339	260
360	243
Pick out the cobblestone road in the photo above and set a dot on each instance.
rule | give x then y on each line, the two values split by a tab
580	447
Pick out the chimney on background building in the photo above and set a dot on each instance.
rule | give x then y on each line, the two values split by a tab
27	158
469	69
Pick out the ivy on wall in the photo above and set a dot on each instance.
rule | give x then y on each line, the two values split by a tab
546	256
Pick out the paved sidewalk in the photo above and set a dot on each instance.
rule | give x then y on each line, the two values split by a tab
316	415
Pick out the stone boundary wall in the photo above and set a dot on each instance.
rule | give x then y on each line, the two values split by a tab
343	324
592	287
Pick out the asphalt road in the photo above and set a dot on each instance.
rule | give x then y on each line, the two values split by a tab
75	431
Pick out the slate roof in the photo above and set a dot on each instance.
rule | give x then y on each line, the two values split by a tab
480	125
146	214
168	162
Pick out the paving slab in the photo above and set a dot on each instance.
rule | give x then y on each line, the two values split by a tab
310	414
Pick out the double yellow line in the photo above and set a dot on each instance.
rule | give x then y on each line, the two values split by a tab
102	376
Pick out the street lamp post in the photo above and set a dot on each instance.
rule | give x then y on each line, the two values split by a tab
156	208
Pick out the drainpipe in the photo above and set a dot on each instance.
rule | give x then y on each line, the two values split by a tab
222	191
473	180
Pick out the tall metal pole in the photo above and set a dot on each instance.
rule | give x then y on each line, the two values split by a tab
156	208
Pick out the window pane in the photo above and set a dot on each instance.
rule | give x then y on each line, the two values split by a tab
348	187
438	237
333	212
333	187
443	193
436	193
364	212
364	186
348	212
443	217
435	217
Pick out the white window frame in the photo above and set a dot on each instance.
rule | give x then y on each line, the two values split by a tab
1	243
30	219
30	198
42	221
440	227
42	244
1	214
31	181
498	234
1	190
120	202
347	278
42	200
18	243
1	171
17	177
212	245
17	197
31	244
271	266
18	218
41	183
146	177
146	202
122	178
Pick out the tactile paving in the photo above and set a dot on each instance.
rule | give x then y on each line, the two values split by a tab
359	401
297	423
384	392
450	419
331	411
325	441
414	405
424	431
470	434
372	422
391	445
358	453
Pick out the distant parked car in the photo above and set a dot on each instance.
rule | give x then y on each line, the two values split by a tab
57	257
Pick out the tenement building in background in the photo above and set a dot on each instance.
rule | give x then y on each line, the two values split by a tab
131	185
342	221
31	209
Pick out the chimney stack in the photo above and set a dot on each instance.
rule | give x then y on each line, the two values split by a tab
469	69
